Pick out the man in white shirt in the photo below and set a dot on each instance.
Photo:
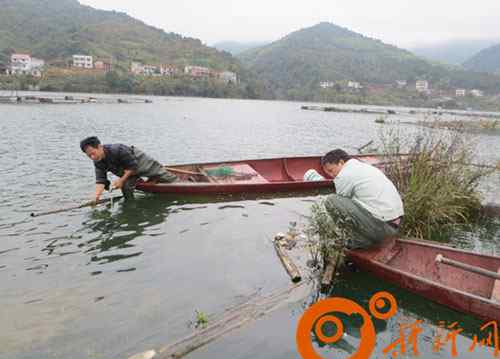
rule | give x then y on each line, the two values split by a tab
365	199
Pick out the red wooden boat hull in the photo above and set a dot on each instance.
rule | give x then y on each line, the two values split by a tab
267	176
412	265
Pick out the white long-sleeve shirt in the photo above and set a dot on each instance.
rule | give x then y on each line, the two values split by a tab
370	188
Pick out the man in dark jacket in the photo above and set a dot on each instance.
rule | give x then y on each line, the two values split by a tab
126	162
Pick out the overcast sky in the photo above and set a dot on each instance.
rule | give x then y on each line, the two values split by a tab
404	23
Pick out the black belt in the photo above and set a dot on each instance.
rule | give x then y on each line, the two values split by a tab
394	224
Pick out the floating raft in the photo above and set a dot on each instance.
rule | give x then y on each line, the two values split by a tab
67	100
400	112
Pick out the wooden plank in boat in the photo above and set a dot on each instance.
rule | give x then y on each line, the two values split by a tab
495	293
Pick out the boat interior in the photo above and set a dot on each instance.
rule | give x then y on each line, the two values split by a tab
420	259
254	171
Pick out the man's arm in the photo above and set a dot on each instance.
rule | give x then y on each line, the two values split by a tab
121	181
127	159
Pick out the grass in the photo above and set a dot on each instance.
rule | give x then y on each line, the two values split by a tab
436	181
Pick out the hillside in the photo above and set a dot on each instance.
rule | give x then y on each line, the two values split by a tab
454	52
56	29
327	52
487	60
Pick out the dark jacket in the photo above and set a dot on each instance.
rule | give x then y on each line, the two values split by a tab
118	158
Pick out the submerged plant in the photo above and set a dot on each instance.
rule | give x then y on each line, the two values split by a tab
328	232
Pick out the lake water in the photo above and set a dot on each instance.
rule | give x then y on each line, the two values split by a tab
116	280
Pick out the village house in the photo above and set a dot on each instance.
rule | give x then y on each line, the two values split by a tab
24	64
228	77
168	70
103	66
460	92
138	68
326	84
83	61
476	93
422	86
197	71
401	84
354	85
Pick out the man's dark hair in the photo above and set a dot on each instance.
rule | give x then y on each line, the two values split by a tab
92	141
335	157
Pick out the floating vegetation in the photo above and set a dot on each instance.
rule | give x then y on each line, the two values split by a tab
201	320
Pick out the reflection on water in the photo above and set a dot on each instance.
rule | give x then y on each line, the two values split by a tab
115	230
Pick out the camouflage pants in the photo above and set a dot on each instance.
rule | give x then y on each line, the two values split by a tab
360	228
146	167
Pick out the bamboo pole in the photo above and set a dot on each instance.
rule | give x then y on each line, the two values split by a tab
330	270
186	172
478	270
86	204
232	319
290	267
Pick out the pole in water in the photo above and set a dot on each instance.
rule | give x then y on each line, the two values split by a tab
83	205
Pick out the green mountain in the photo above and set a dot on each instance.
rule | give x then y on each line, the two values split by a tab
56	29
453	52
326	52
487	60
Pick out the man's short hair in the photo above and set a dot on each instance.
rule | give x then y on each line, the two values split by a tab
92	141
335	157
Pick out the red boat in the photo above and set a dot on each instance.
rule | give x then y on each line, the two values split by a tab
249	176
465	281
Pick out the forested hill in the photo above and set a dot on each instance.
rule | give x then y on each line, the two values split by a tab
327	52
487	60
56	29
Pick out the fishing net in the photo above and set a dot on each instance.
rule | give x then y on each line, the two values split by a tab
223	171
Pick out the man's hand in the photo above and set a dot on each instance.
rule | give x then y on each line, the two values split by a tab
118	184
99	189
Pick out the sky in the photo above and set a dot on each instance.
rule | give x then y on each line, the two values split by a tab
404	23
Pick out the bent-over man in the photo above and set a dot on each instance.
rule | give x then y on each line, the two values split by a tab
126	162
366	202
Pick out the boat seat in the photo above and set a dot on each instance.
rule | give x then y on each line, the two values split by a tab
495	293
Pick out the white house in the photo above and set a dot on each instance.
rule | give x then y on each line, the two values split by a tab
326	84
460	92
20	64
476	93
354	85
228	77
422	86
401	83
83	61
24	64
138	68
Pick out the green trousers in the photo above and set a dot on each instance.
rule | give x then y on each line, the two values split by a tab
146	167
362	229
